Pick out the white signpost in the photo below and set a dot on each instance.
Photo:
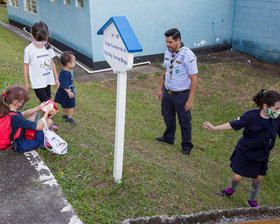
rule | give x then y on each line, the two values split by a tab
119	44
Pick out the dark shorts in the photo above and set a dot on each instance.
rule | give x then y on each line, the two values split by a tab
26	145
245	167
43	94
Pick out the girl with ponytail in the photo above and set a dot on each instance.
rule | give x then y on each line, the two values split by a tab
251	155
27	125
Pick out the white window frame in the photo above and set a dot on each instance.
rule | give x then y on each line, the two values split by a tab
32	6
80	3
67	2
13	3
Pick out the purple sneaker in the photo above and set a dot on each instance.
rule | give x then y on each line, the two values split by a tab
253	204
226	192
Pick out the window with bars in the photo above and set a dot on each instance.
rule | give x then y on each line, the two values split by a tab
80	3
30	6
66	2
13	3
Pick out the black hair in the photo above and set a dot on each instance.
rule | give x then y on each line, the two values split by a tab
40	32
12	93
66	57
269	97
174	33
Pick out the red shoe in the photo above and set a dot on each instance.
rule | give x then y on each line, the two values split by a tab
54	127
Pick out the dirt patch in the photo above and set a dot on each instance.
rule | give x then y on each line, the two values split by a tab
236	56
209	58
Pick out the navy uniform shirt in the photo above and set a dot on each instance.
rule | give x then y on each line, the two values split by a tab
257	140
184	65
18	121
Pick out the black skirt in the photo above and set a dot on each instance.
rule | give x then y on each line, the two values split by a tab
245	167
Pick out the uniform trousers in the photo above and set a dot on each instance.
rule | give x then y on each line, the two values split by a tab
172	104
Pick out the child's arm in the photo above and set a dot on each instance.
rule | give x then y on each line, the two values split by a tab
211	127
40	123
70	94
25	73
29	112
55	74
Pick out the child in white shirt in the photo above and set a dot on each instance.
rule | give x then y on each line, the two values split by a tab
38	63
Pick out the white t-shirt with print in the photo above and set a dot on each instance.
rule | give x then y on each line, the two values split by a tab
40	67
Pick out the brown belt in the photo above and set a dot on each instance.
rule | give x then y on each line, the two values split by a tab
170	92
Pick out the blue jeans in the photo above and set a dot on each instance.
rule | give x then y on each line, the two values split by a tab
172	104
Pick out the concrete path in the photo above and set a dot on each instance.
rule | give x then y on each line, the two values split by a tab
29	193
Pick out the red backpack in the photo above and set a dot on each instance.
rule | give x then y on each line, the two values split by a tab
5	132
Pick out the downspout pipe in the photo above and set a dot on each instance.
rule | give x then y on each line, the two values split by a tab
233	21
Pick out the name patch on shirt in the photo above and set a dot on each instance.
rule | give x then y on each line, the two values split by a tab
41	56
237	119
46	73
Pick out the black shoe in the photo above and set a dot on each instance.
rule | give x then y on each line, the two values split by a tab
186	151
71	121
161	139
64	116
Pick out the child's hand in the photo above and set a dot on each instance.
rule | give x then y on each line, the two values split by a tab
71	95
209	126
37	108
57	84
27	87
51	111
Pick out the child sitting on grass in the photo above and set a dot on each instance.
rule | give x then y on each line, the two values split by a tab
22	123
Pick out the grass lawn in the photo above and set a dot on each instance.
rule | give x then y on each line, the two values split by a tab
3	14
157	178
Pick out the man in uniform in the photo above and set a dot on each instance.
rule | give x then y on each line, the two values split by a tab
177	89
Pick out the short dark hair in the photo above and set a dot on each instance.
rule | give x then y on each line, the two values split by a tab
66	57
174	33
